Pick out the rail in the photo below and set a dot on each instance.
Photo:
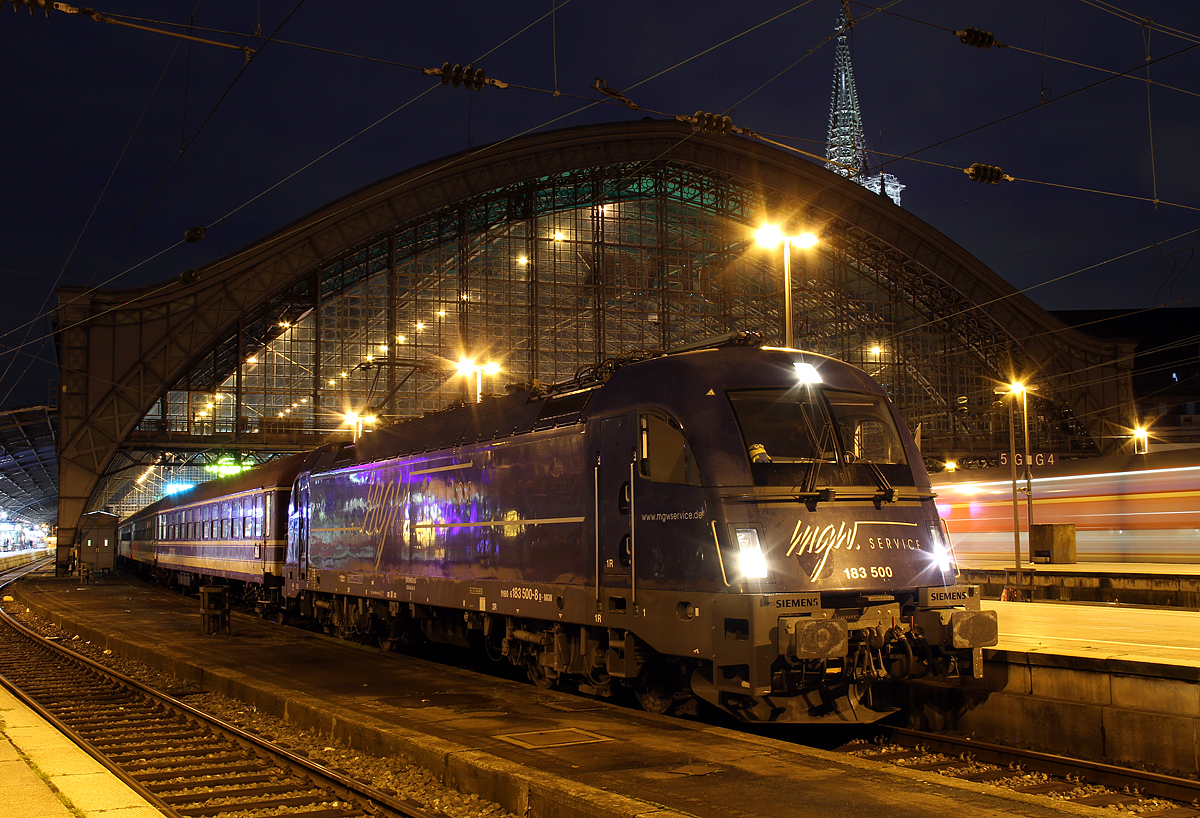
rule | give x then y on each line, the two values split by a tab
183	761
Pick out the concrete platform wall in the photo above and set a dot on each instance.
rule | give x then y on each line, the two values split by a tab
1135	713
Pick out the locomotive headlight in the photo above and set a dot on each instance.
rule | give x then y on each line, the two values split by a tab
941	557
753	563
941	553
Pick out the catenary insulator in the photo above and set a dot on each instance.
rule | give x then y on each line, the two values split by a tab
976	37
45	5
989	174
194	234
712	123
469	77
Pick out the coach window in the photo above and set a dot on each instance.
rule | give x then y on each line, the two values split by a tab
206	522
235	519
666	456
258	516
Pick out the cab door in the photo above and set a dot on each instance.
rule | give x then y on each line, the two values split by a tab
615	506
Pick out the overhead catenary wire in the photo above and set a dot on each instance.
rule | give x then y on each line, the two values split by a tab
44	308
591	103
814	156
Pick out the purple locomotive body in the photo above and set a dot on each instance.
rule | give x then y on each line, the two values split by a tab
748	526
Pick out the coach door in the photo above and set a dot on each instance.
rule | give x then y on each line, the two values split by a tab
615	506
298	522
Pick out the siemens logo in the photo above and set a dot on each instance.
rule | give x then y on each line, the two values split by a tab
947	596
802	602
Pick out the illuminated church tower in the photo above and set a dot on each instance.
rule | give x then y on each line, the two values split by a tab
846	153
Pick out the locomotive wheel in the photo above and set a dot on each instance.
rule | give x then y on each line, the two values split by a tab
538	675
389	643
655	693
273	614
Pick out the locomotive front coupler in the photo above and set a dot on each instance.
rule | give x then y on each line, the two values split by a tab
950	619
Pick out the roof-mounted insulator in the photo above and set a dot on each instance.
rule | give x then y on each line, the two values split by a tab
710	123
469	77
978	38
988	174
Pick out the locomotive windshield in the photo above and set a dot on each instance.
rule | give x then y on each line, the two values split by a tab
824	436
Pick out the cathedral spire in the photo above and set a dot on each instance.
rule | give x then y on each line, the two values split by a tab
846	153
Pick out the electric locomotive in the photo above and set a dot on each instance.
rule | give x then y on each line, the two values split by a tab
744	525
747	525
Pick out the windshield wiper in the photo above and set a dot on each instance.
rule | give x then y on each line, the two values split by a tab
887	492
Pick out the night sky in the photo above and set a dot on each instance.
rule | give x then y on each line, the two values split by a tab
119	140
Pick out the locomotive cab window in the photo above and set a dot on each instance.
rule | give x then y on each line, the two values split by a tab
813	436
665	456
866	428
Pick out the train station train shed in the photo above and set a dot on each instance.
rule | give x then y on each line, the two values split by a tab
543	255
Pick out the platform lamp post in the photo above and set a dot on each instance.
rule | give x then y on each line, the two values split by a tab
1025	390
1012	390
770	236
467	367
1141	440
357	423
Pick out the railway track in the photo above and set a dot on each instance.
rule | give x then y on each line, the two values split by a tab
1079	781
183	761
149	760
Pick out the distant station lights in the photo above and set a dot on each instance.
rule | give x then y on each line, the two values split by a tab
227	465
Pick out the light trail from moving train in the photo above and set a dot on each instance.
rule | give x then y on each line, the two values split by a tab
1126	508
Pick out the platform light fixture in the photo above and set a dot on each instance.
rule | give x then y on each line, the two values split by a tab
1014	389
1141	440
357	422
467	367
770	235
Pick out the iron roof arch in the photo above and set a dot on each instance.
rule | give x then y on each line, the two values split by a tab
166	330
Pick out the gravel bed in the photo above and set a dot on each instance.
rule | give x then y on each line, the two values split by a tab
399	774
1025	779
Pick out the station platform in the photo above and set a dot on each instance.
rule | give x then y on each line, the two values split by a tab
1157	584
538	753
44	775
14	558
1100	681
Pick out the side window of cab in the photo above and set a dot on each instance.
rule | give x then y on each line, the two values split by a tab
664	455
